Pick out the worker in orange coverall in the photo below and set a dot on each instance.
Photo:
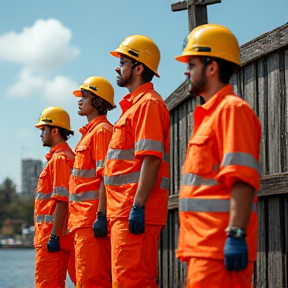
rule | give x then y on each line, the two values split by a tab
53	245
87	198
137	167
217	205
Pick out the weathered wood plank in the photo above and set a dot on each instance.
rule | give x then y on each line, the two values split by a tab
180	6
172	157
183	133
263	112
285	88
264	44
250	86
261	264
275	243
274	115
176	152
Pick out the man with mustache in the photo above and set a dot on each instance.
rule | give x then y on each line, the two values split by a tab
137	167
53	245
217	205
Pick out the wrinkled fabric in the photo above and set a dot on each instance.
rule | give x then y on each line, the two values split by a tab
51	268
223	149
143	129
88	172
203	273
134	257
92	255
93	259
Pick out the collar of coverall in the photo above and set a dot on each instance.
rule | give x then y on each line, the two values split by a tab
54	149
228	89
133	97
83	130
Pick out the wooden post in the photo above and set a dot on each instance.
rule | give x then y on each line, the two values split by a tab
197	11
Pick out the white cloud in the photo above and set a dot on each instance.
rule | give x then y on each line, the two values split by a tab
43	47
57	89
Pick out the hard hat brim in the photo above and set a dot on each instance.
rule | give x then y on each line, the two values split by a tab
117	53
77	93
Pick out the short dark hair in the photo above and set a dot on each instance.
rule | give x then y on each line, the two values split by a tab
226	68
101	104
147	73
64	133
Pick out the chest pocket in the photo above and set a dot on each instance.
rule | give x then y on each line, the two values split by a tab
122	137
83	156
200	156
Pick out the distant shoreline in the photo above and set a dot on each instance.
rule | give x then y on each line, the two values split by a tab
18	246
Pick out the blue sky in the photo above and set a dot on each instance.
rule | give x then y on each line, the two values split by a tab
47	48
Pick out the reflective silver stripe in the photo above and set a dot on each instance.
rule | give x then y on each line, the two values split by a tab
206	205
119	154
86	173
99	164
241	158
164	183
190	179
166	157
45	218
61	191
149	145
43	196
122	179
84	196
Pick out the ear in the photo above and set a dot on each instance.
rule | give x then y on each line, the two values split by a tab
54	131
213	68
139	69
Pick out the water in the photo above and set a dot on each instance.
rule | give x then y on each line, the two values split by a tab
17	268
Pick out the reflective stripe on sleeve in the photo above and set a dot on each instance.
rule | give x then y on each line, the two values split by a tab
242	159
61	191
164	183
190	179
86	173
206	205
118	154
149	145
45	218
99	164
43	196
84	196
122	179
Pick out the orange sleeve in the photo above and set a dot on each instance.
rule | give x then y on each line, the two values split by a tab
151	125
61	175
100	145
240	134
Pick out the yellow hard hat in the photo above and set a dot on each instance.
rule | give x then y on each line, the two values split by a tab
211	40
54	116
98	86
142	49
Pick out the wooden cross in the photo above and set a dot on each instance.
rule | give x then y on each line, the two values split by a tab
197	11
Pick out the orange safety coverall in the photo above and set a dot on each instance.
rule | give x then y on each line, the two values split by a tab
92	255
143	129
53	185
224	148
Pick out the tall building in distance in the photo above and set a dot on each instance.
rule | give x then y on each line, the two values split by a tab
31	170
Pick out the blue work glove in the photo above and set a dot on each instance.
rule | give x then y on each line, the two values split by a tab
137	220
100	226
53	244
235	254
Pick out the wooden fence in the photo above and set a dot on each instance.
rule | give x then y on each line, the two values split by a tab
263	82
